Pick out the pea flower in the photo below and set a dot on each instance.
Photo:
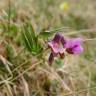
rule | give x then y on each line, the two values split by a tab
73	46
59	45
56	46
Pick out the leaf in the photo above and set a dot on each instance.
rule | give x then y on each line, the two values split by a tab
26	41
10	51
30	39
13	28
46	34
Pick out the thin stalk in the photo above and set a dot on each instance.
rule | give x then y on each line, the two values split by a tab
9	14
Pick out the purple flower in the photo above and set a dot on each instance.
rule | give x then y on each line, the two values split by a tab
59	45
56	46
73	46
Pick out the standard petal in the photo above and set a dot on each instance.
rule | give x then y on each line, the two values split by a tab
57	38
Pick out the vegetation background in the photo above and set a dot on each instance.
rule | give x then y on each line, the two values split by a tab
25	28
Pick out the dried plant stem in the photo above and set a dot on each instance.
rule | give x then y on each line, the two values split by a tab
90	39
9	14
81	31
31	67
81	91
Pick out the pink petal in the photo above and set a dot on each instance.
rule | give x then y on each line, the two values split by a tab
73	42
78	50
54	46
